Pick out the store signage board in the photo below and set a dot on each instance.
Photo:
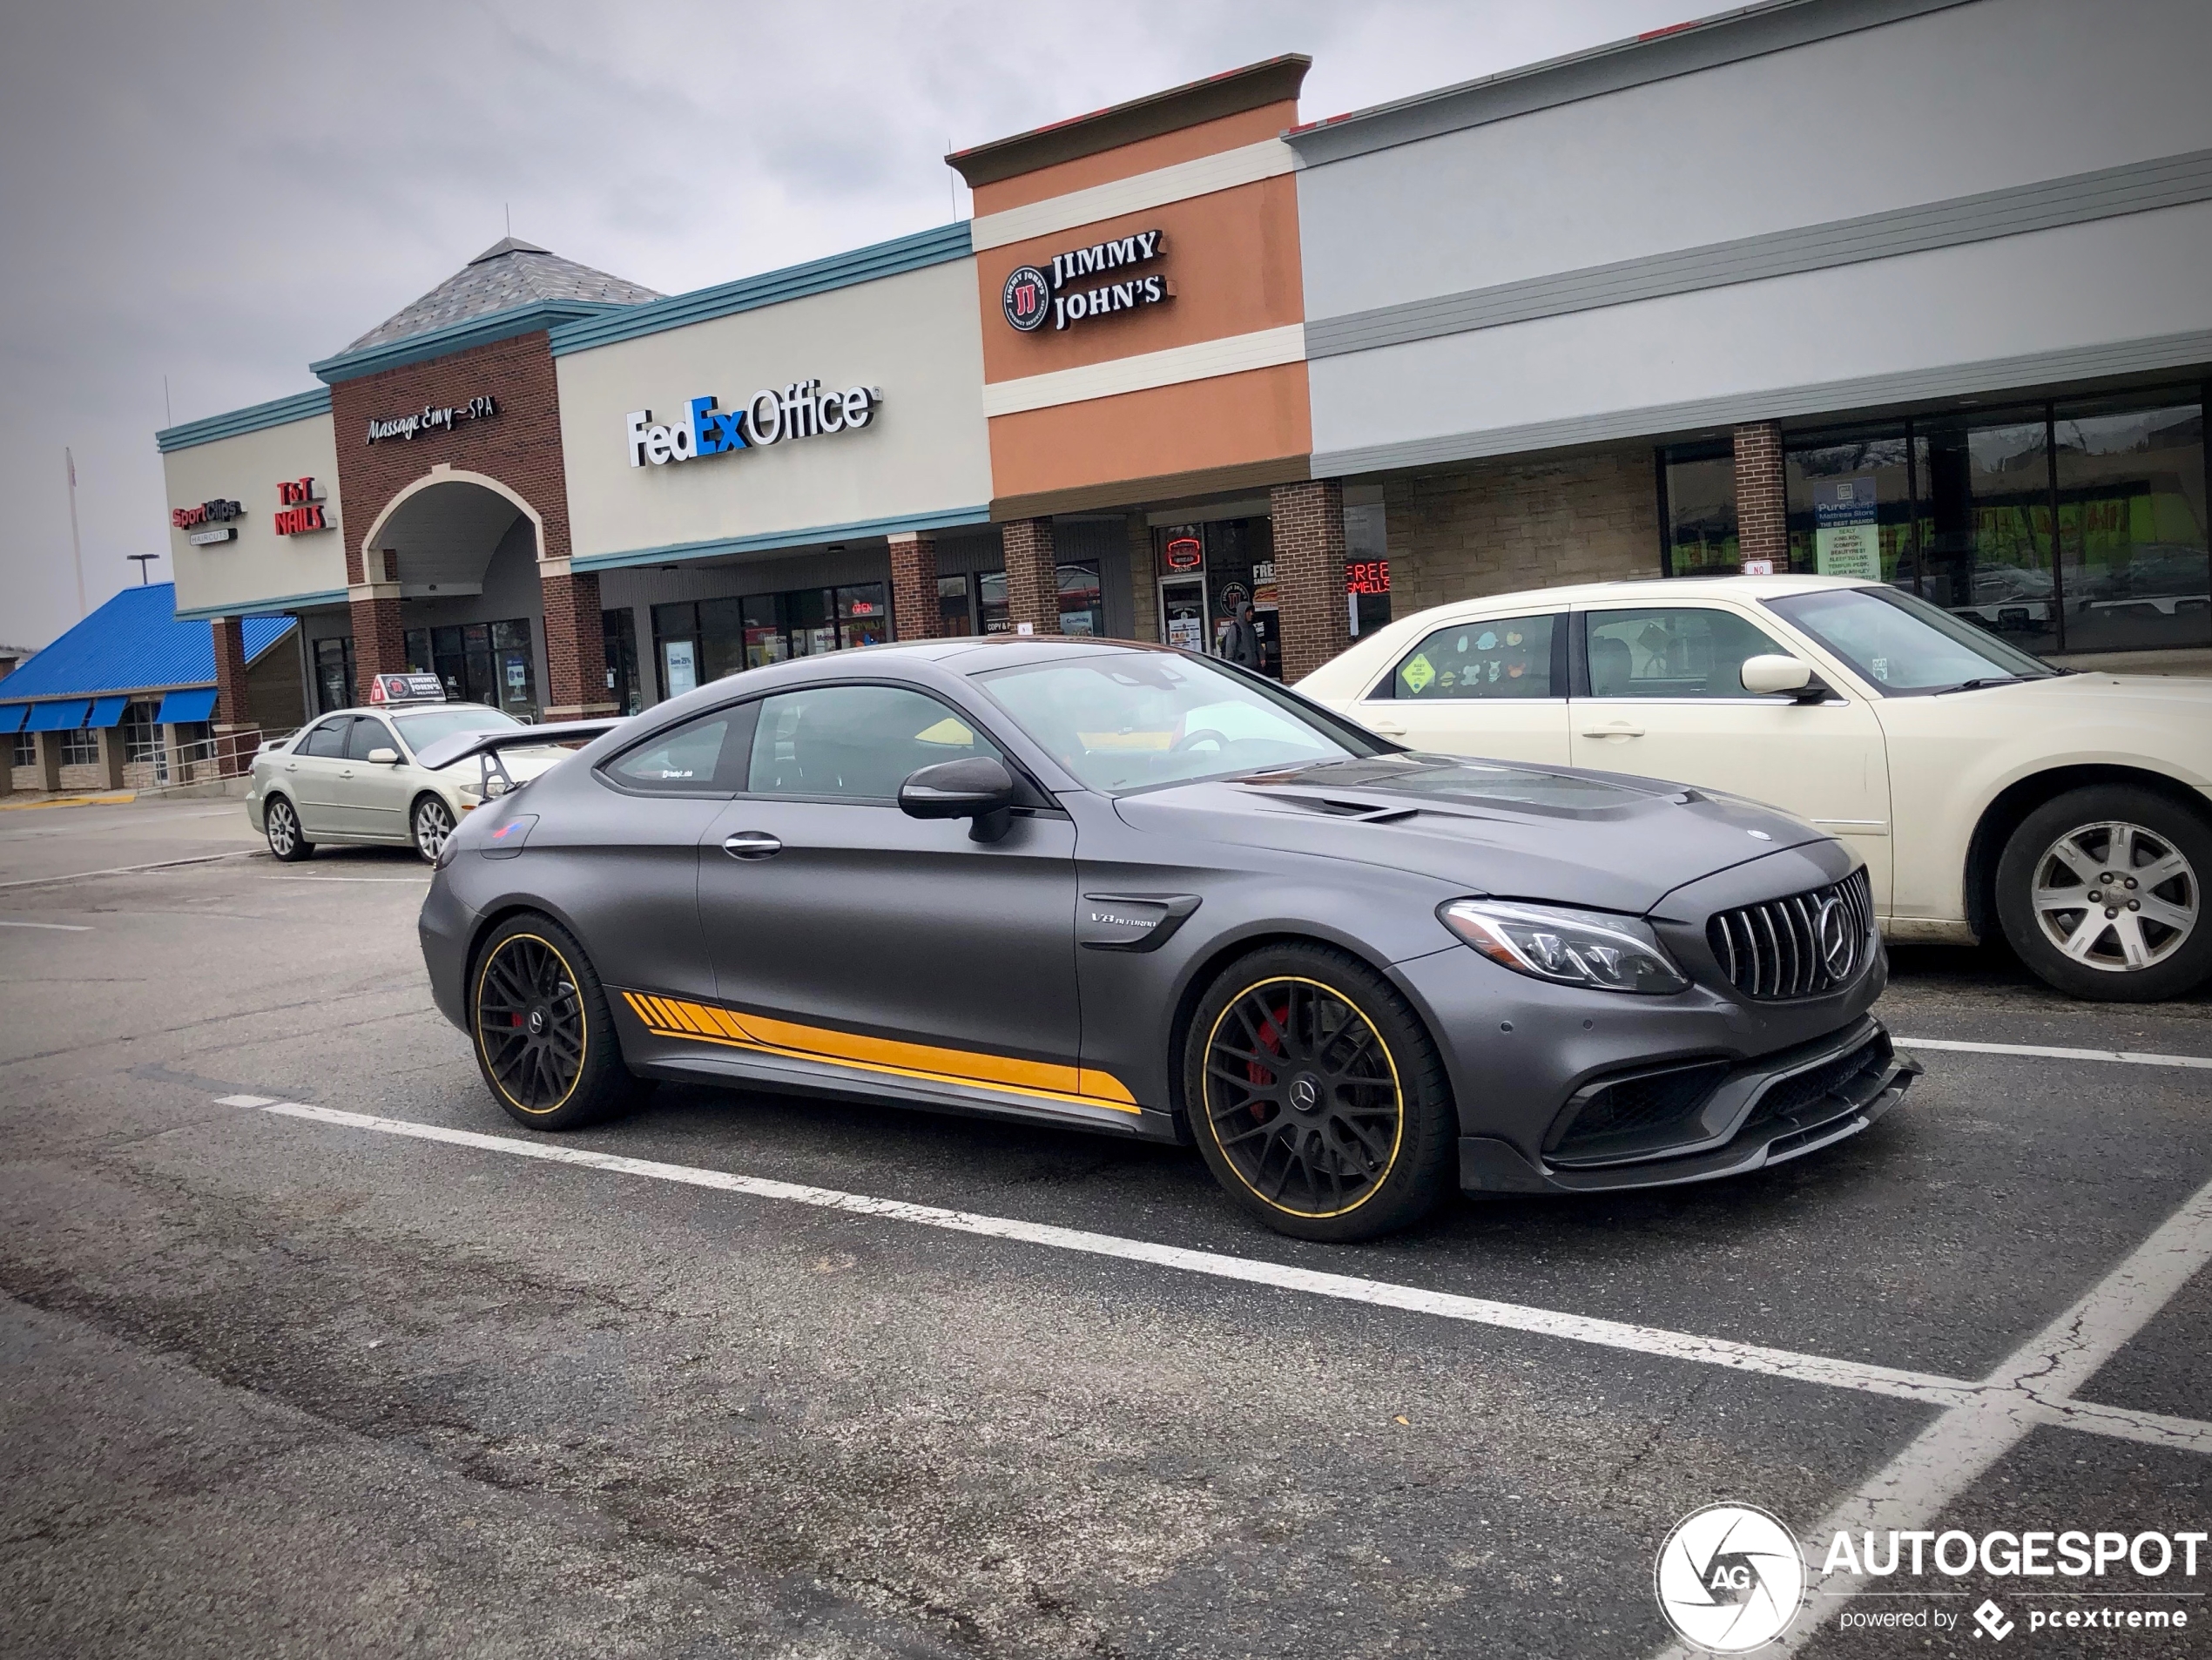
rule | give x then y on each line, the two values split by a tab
209	538
1366	576
218	511
1847	542
770	417
1034	295
299	506
1185	553
431	418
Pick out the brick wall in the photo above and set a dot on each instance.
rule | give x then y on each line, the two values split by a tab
1308	532
520	446
1032	576
575	648
1762	505
380	644
1499	526
233	703
913	585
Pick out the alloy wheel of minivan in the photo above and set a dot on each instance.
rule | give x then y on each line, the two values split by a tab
2101	892
433	824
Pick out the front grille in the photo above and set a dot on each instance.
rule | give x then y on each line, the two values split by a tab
1797	947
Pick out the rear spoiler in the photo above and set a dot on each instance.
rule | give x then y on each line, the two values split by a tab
443	752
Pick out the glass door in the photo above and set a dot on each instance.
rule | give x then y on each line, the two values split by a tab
1182	612
1985	540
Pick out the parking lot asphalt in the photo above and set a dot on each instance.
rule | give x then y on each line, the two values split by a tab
340	1378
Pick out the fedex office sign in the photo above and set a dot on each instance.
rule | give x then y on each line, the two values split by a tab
801	410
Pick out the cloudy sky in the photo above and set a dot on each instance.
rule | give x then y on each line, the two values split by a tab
217	193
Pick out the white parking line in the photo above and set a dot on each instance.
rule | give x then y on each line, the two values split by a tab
414	881
128	870
2041	1405
2127	1057
1959	1448
57	927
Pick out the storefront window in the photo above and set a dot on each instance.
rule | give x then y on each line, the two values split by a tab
2134	569
990	603
863	614
618	639
333	674
1367	567
488	662
141	736
80	747
952	607
764	631
1700	528
1985	525
1083	601
26	749
1850	503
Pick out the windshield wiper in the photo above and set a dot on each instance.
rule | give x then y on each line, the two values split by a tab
1986	680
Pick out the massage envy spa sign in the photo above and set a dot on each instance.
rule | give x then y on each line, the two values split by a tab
800	410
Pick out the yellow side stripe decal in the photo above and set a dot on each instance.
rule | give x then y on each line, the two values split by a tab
670	1017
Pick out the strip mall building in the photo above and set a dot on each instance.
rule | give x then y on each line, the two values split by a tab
1652	309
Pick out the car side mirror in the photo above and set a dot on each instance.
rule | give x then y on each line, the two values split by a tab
978	787
1774	673
383	755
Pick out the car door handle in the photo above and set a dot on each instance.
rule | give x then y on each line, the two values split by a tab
292	766
1618	729
752	844
344	772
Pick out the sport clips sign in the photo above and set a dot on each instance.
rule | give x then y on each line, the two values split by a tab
1033	296
799	410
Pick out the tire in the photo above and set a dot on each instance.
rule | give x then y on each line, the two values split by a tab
530	986
1376	1149
280	825
431	820
2144	937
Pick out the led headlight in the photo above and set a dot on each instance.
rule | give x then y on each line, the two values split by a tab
1566	946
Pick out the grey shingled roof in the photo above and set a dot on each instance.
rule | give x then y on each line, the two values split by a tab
509	273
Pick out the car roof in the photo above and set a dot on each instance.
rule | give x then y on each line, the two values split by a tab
1673	589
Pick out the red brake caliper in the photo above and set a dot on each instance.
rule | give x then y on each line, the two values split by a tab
1271	1039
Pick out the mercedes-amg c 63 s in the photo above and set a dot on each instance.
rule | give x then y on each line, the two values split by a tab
1127	889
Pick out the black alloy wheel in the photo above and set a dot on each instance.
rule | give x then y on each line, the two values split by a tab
544	1037
433	824
1318	1099
281	824
2101	893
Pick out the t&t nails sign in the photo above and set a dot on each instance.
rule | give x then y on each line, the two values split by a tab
299	506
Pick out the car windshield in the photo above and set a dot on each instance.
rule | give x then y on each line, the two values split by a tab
1903	644
428	726
1132	719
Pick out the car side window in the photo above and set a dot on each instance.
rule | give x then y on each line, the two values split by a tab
329	738
1677	651
859	742
369	733
1508	658
701	756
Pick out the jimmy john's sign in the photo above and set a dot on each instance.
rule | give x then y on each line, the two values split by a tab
1067	292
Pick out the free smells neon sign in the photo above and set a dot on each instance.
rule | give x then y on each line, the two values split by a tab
801	410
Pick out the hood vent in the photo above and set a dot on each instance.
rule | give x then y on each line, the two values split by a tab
1366	812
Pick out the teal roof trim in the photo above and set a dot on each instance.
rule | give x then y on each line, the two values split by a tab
810	536
493	326
281	602
939	246
277	412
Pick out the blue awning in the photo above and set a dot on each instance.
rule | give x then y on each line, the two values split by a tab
181	708
11	716
106	712
57	717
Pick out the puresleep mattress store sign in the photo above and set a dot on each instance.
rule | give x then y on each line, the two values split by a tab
799	410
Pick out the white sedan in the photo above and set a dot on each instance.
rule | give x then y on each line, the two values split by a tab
1986	789
352	776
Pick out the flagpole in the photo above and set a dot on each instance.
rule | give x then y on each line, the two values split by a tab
76	547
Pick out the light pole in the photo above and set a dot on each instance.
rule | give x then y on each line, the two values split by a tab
141	558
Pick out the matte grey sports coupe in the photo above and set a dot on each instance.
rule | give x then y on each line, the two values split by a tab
1134	890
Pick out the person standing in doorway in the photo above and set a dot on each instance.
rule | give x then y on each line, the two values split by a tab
1240	641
